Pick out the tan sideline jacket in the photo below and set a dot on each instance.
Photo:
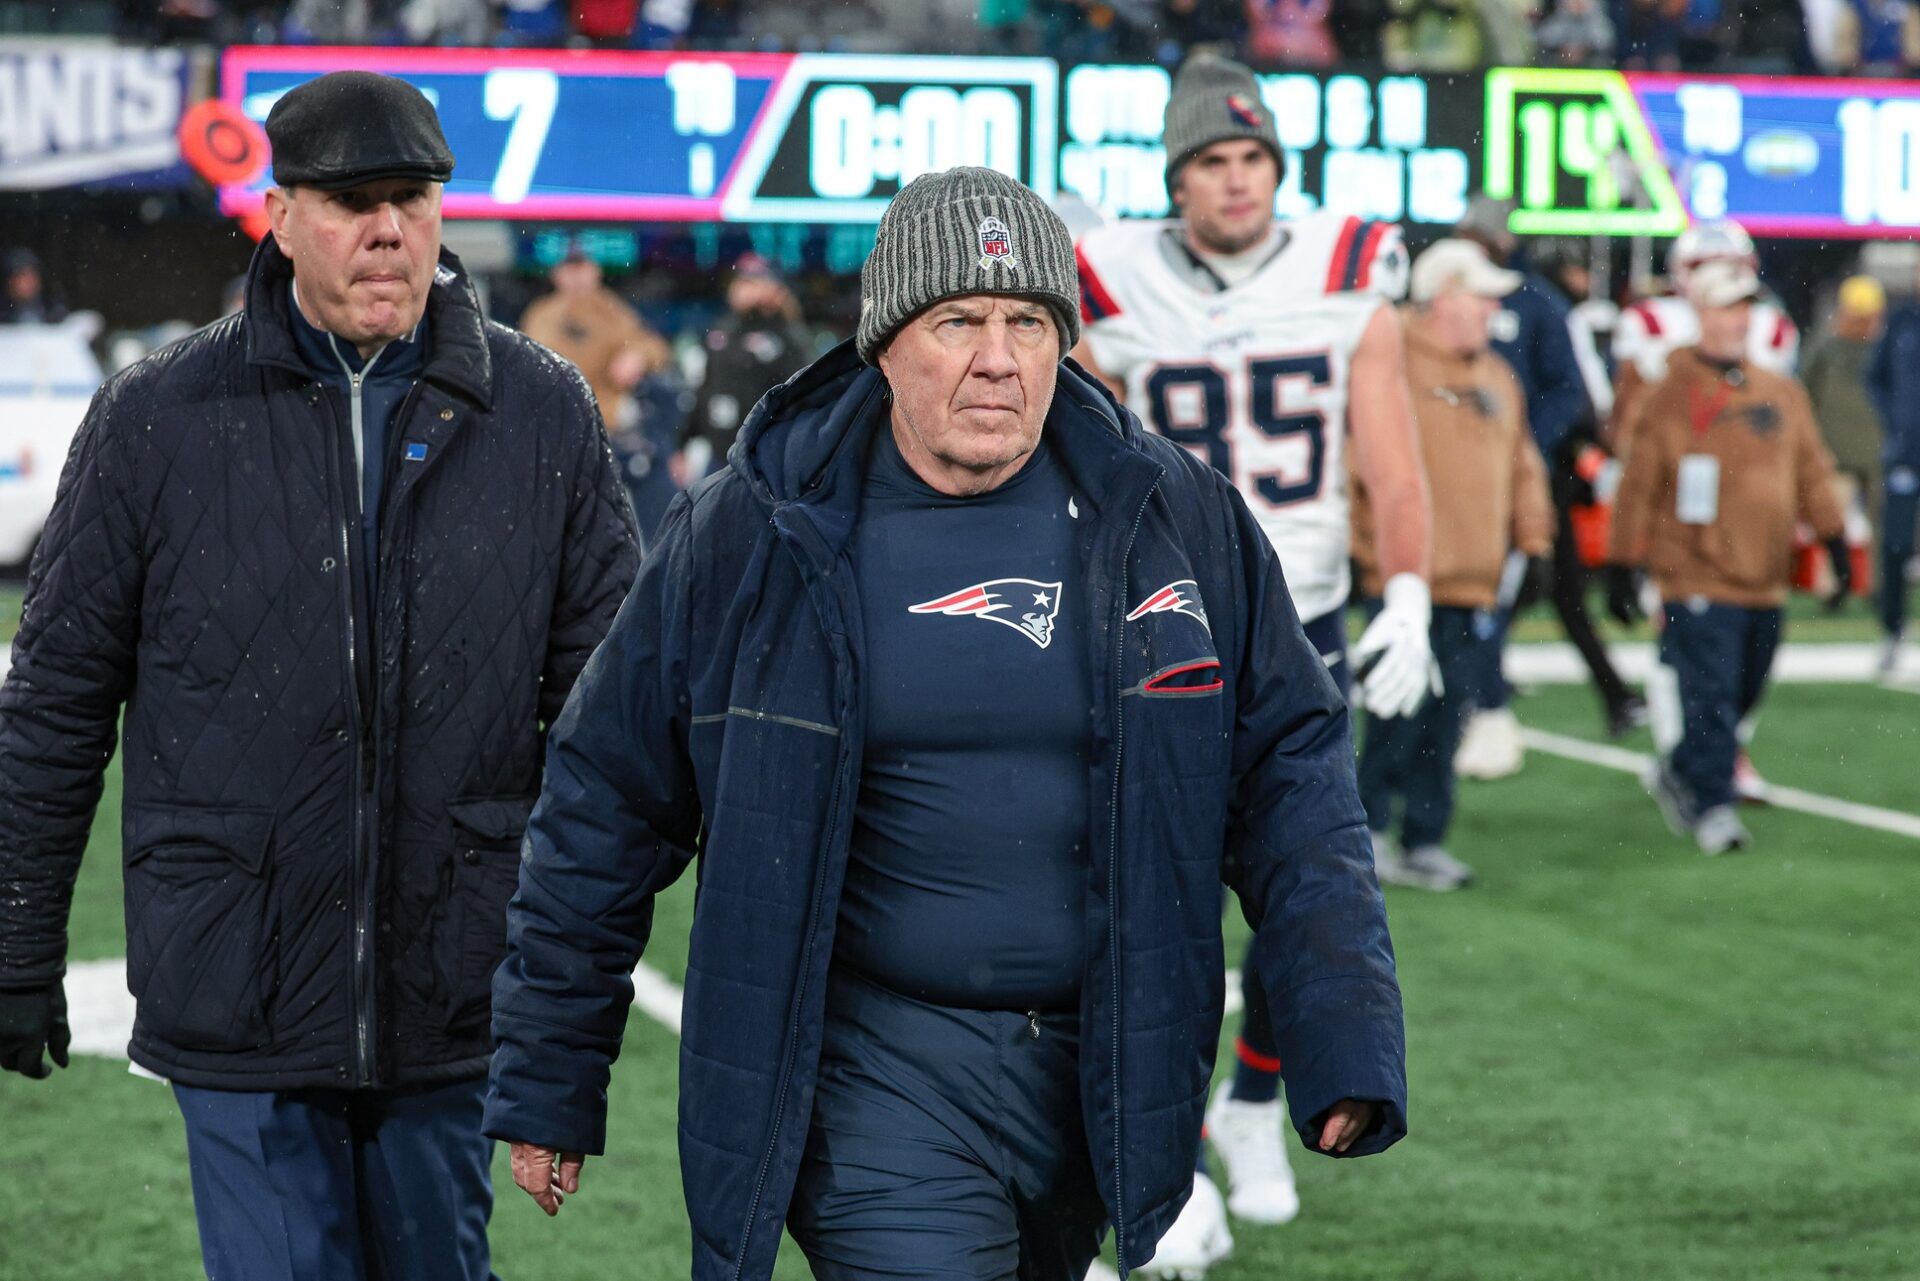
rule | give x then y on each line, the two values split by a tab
1488	483
1773	469
591	330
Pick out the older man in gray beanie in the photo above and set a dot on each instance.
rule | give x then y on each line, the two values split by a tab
970	696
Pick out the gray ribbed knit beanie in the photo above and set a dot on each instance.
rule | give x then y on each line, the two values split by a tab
1215	99
965	231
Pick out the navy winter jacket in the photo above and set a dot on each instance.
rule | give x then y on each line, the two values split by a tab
1532	333
1893	381
324	796
725	713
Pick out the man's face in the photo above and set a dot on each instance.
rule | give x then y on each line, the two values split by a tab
1226	193
972	379
749	294
363	257
1723	330
23	283
576	276
1461	320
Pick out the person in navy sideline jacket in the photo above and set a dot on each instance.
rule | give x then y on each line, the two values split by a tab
304	552
1893	381
970	696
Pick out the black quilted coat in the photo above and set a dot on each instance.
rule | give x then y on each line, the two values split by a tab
324	794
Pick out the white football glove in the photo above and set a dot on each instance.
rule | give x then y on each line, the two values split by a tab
1394	656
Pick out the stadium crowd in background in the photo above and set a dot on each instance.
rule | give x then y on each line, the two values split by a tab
1854	37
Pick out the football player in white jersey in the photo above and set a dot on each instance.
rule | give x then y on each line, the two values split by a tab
1650	331
1272	350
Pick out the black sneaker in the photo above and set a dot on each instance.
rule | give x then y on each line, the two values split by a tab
1626	716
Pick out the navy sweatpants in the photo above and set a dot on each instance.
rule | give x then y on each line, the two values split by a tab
946	1145
1256	1047
1900	510
340	1185
1721	655
1406	762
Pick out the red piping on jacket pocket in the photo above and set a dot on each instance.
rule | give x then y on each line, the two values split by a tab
1158	683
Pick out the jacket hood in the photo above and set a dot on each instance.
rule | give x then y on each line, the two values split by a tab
806	441
457	353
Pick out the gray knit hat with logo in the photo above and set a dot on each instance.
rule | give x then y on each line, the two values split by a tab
965	231
1214	99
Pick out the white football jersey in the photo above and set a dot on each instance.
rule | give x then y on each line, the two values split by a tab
1251	377
1651	331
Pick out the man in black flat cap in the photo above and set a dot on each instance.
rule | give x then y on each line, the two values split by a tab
339	559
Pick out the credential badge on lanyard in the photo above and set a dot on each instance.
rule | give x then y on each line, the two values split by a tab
1697	480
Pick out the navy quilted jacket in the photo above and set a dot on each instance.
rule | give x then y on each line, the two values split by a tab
320	835
725	712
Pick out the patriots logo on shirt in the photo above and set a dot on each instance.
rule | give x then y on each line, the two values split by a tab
1024	604
1182	597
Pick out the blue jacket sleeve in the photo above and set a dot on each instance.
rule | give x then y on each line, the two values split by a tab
73	666
600	553
1299	857
617	822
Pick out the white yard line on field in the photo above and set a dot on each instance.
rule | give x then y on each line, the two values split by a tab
1558	663
1812	662
1787	798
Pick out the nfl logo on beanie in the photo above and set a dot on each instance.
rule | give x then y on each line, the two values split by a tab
996	245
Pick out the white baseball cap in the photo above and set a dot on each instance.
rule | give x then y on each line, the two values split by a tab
1454	263
1722	282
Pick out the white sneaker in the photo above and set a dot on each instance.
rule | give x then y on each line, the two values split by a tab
1720	831
1491	746
1432	868
1887	665
1198	1239
1668	793
1251	1139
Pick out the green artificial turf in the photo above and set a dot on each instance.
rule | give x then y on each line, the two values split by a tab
1627	1061
11	596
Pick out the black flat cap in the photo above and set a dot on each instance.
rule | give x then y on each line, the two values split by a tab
350	127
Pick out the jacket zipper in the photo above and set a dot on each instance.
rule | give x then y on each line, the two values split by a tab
364	745
1113	877
362	1065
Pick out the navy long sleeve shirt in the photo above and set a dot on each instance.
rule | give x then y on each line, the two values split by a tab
967	882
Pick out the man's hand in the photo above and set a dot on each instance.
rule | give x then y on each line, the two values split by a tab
1349	1119
548	1175
32	1022
1394	657
1842	558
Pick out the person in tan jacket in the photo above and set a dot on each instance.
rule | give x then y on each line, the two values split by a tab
1726	458
593	327
1489	490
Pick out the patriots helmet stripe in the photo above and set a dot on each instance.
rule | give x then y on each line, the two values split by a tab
1026	605
1182	597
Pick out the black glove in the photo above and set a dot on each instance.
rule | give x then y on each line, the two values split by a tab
1623	595
30	1022
1842	557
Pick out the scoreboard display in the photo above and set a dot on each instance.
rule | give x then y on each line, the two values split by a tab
1629	153
584	136
591	136
1397	147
